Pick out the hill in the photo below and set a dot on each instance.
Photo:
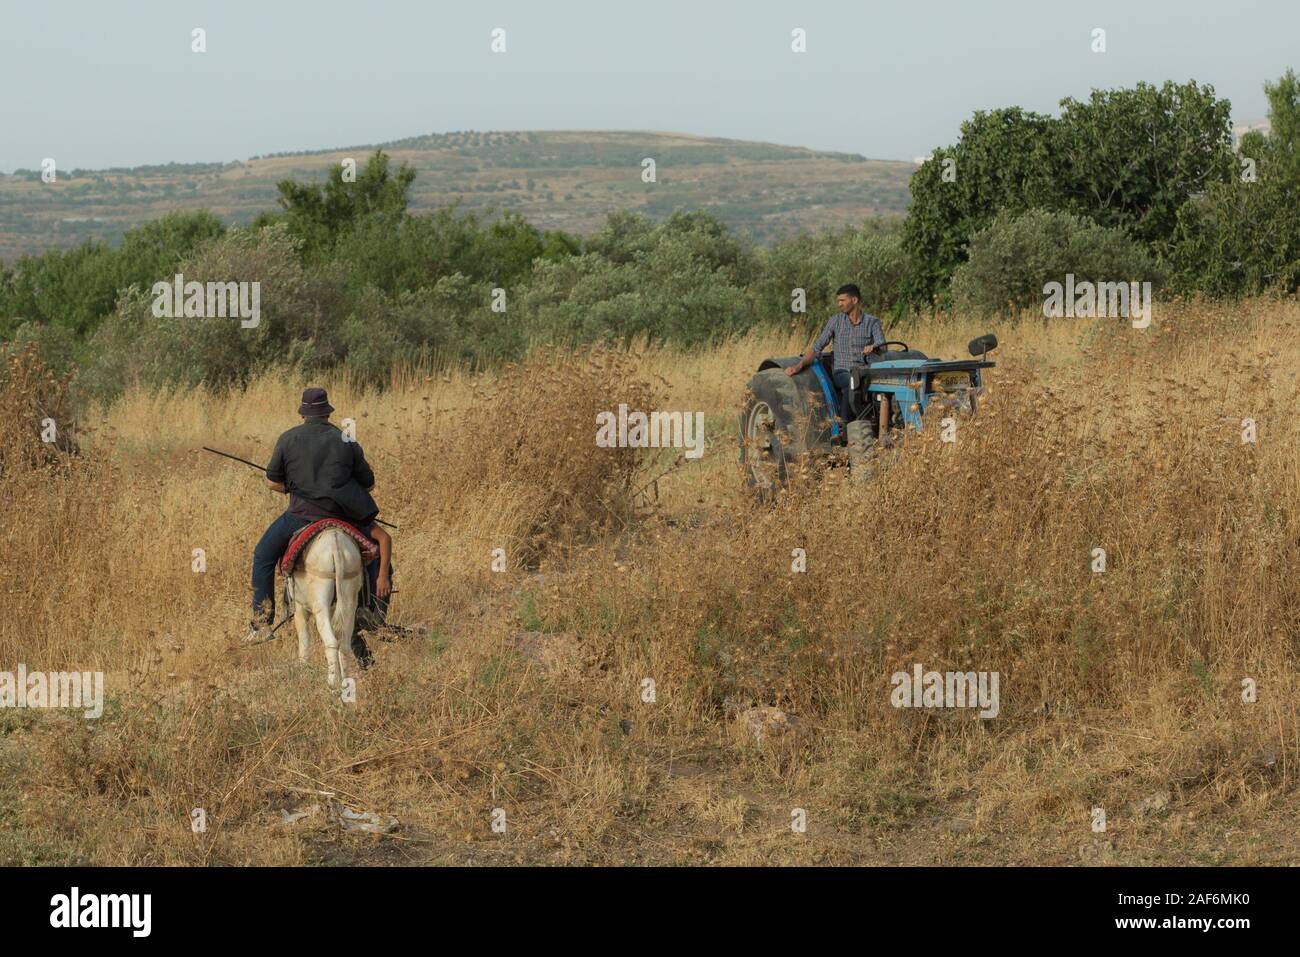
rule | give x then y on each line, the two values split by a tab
566	180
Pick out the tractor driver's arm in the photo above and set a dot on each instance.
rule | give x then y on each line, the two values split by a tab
806	360
877	338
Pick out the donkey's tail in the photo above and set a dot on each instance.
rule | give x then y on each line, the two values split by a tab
337	613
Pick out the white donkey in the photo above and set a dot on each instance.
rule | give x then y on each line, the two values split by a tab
325	584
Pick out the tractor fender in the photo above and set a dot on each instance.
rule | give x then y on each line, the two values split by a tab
803	404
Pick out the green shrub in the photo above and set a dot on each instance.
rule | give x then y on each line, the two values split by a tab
397	253
76	288
684	280
819	263
1243	236
451	322
56	346
133	344
1011	260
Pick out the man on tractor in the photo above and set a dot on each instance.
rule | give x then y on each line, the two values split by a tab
325	476
855	333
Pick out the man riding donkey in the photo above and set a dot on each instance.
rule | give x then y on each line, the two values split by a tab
325	475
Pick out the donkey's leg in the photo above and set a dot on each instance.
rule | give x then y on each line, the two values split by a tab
345	618
300	618
322	600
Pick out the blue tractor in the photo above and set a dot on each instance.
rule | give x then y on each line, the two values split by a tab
789	419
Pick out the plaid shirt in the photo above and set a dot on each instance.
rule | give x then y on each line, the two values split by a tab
850	339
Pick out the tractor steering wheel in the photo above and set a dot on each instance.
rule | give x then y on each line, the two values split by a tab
895	342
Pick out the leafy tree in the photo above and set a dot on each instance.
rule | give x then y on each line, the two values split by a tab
627	237
68	288
135	345
1131	158
1124	158
622	238
400	252
318	213
999	162
870	255
684	280
1243	235
1283	140
449	322
151	252
76	288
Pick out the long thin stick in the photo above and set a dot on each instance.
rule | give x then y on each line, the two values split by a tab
235	457
263	470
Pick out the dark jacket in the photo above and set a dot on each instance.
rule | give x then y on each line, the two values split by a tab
326	475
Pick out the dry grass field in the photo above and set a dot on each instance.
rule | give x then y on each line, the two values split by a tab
523	689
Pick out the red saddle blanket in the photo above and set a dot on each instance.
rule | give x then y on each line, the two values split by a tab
299	543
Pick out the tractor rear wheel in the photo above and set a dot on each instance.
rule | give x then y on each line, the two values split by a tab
774	432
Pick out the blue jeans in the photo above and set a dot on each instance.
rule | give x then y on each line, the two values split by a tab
841	379
269	551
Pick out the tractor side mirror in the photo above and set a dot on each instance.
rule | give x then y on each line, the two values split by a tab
984	344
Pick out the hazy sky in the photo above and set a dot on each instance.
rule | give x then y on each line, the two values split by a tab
96	84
